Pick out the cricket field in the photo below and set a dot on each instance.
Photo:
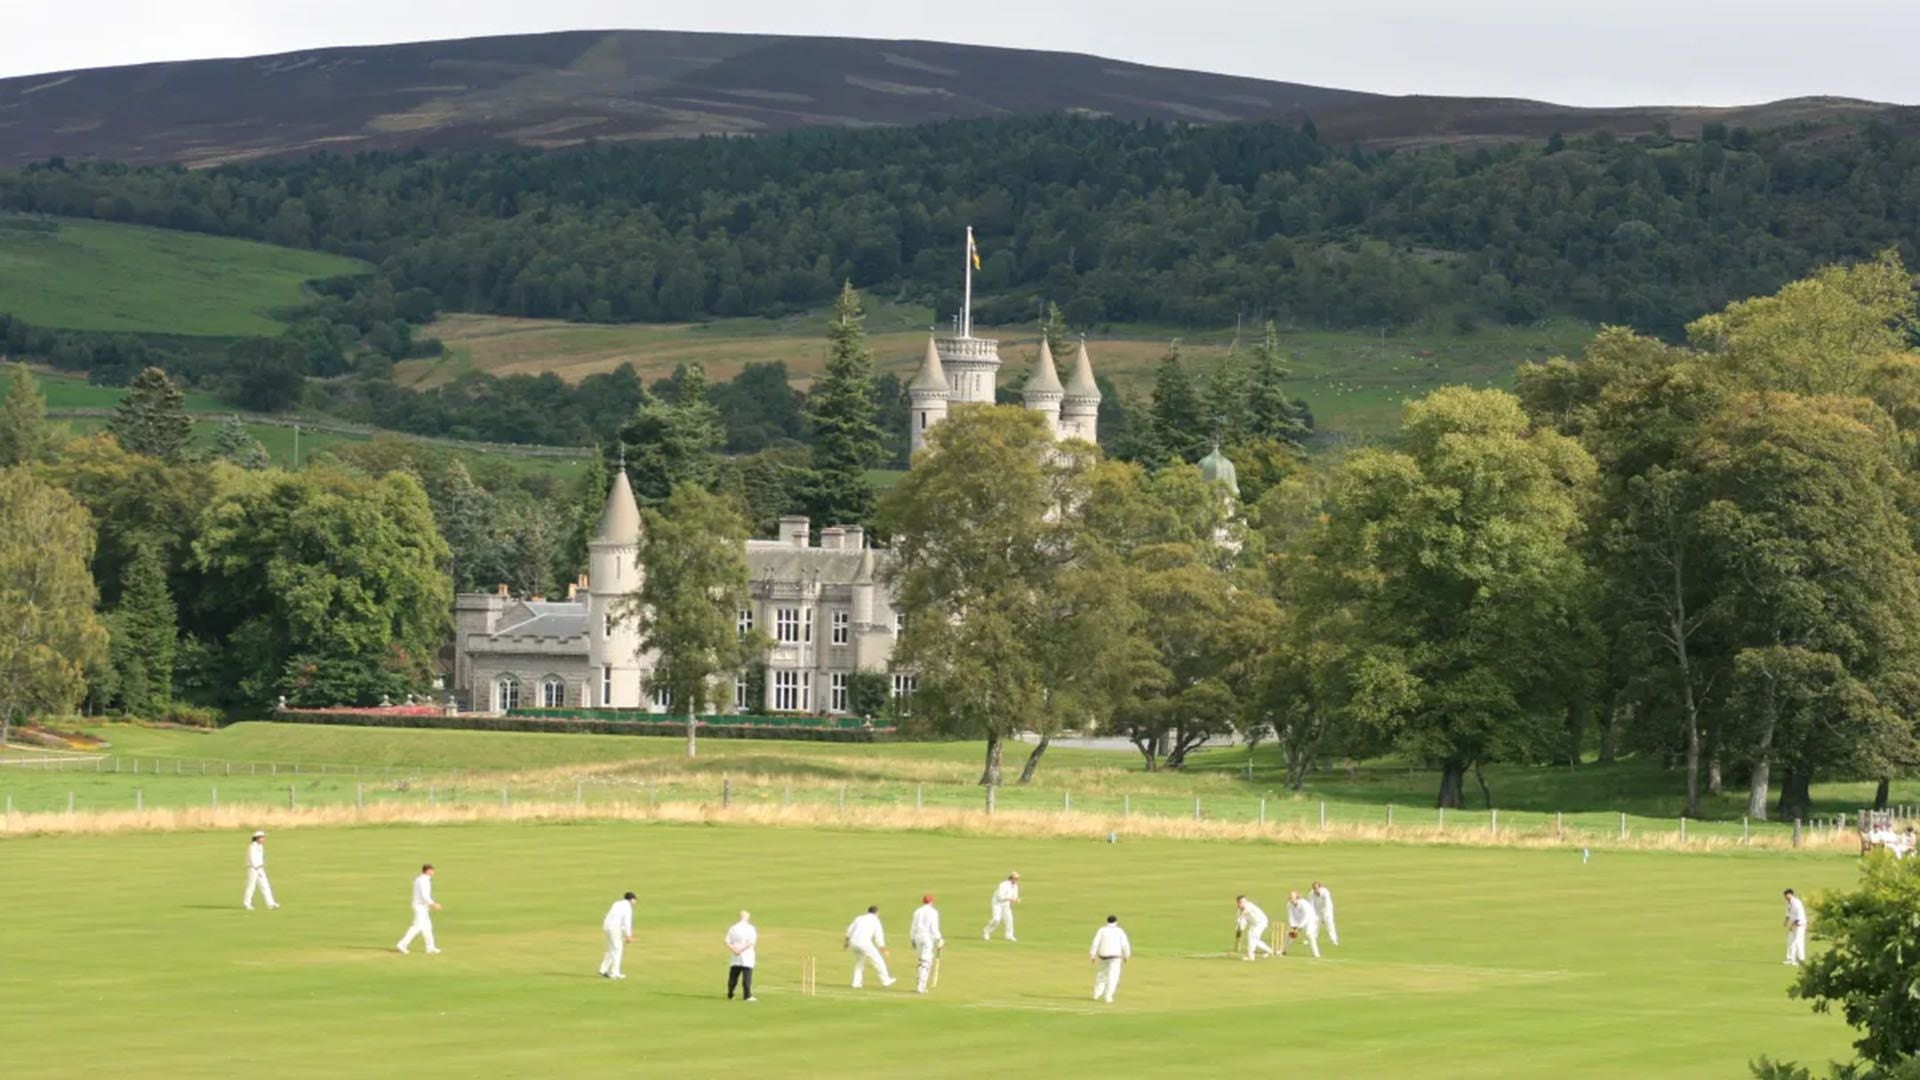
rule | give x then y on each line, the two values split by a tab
130	952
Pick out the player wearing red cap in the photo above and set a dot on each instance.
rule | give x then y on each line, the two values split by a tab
924	936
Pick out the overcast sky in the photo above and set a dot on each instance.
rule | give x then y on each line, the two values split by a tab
1583	52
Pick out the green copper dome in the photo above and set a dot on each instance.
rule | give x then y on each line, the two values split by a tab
1218	470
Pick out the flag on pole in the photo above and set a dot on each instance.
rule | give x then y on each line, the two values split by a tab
973	251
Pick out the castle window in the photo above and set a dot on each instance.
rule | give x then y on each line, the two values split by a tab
606	685
905	685
837	692
899	622
806	633
786	625
840	621
663	695
786	691
553	693
744	622
607	630
506	694
739	693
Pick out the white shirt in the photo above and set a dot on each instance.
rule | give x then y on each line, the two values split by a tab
1301	914
1251	915
925	929
619	917
1322	902
423	891
1008	892
257	855
1796	911
742	936
865	931
1110	941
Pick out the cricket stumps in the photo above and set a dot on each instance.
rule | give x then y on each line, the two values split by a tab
808	969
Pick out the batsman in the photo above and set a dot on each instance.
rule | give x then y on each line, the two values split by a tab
924	935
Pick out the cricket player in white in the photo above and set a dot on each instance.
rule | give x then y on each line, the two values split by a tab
257	872
868	941
924	936
1004	897
1253	924
619	930
1301	917
741	938
423	909
1796	929
1323	907
1110	950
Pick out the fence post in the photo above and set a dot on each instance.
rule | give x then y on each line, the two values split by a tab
9	811
917	796
116	763
1066	803
649	796
726	791
1443	819
1683	828
136	767
292	799
99	765
139	800
503	796
1796	832
1743	830
1263	810
1196	808
1323	813
786	794
229	768
1559	824
989	798
214	797
1623	826
1389	815
1126	806
273	768
69	804
1493	821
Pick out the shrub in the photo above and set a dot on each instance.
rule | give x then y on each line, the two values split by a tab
184	715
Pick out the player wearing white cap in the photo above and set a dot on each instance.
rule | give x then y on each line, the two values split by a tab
1302	921
1004	897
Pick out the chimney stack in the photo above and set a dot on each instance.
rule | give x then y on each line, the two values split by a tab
855	538
794	530
504	591
833	538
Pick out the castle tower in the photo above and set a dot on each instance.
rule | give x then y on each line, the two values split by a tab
1043	393
1080	402
973	368
927	395
614	571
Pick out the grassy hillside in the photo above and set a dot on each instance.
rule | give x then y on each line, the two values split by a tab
1355	382
90	275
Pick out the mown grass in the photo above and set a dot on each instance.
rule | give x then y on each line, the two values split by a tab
91	275
132	948
1356	382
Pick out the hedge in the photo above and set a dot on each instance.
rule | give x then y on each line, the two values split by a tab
592	726
802	720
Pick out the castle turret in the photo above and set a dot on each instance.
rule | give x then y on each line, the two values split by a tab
1217	469
928	394
1043	393
614	571
1080	402
972	366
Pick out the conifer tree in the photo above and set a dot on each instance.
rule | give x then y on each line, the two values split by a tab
144	634
668	444
1272	414
152	418
1181	429
847	441
232	442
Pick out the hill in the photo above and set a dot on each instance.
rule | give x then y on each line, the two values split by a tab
562	89
99	276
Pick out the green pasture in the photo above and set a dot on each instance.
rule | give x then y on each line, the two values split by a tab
132	949
73	274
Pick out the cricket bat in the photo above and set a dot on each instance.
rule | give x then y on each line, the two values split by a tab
934	981
1238	933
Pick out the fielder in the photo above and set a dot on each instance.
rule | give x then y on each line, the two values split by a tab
924	936
1252	924
868	941
618	926
741	938
257	872
423	908
1796	929
1302	921
1323	907
1109	951
1004	897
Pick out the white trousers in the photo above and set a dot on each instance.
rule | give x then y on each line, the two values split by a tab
616	948
257	879
1002	915
422	927
1106	978
1257	940
1333	932
1797	944
864	955
1311	932
927	954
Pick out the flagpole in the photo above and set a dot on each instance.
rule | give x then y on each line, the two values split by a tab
966	303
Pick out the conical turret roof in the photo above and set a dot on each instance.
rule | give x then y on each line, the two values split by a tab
620	521
1217	468
1081	384
931	376
1044	380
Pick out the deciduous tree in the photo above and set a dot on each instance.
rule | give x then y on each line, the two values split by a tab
48	630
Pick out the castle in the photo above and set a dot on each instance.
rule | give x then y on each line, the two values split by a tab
823	605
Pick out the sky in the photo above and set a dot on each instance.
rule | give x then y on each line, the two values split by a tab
1576	52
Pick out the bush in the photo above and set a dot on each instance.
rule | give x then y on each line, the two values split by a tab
184	715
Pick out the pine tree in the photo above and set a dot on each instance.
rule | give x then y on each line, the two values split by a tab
668	444
1271	413
144	634
232	442
590	500
1053	327
24	435
152	418
1181	429
1228	404
847	440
